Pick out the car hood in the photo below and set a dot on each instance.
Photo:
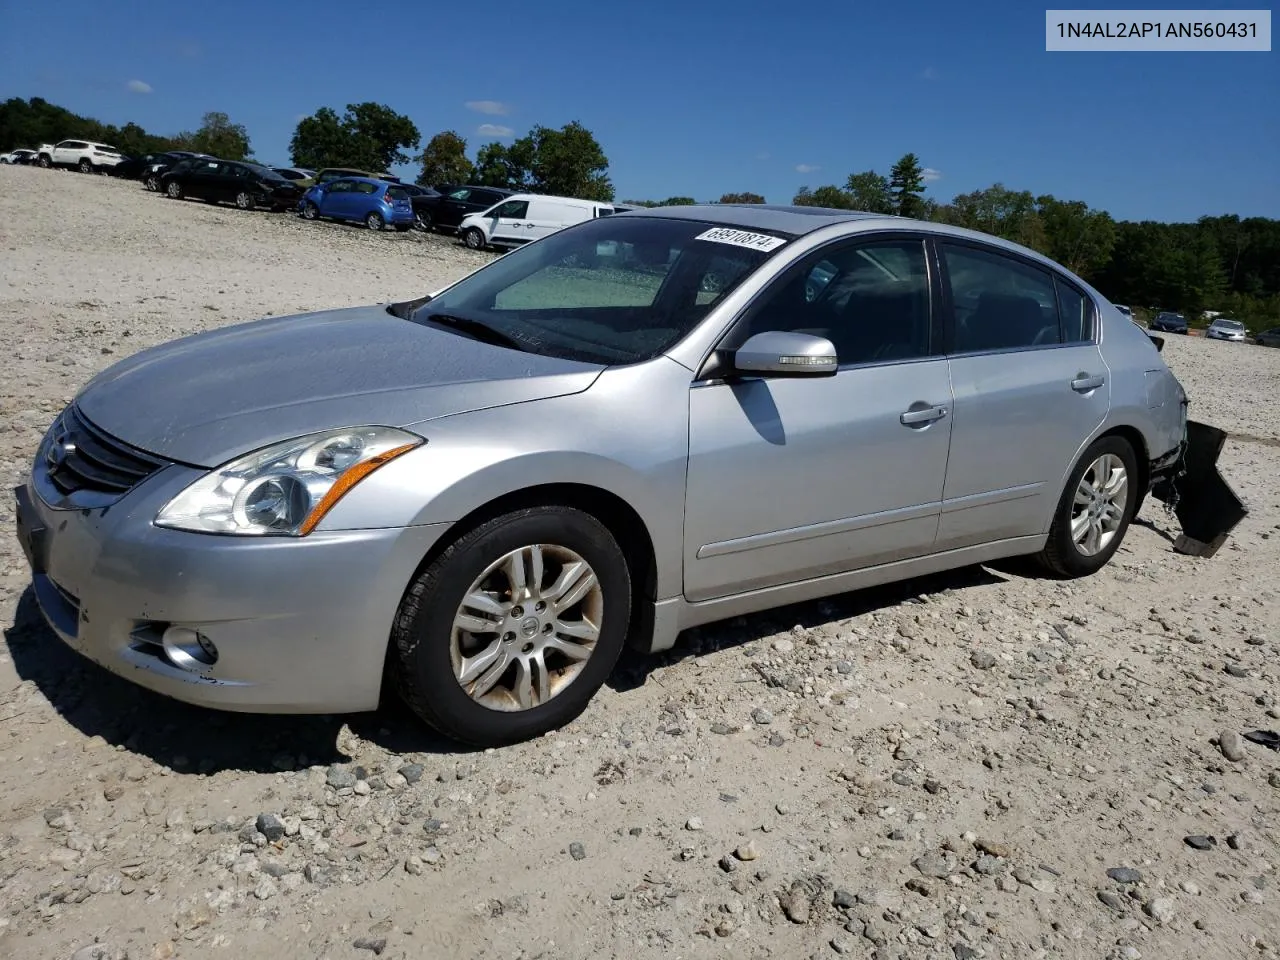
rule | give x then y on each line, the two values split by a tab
208	398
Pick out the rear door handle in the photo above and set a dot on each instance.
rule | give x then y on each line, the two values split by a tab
923	415
1084	382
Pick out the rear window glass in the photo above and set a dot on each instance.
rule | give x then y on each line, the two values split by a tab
398	193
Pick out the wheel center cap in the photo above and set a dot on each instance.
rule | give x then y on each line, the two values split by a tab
529	627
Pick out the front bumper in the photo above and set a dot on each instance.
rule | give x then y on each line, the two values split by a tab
301	625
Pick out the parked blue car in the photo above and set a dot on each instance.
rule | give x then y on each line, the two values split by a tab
375	203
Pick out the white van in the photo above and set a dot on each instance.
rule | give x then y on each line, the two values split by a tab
526	216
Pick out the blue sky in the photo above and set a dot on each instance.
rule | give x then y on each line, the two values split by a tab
695	98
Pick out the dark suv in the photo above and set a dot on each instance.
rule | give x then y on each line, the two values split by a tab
454	202
1169	322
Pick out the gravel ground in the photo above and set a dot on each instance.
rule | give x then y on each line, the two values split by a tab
984	764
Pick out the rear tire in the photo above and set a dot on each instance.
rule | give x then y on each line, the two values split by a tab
374	221
1094	511
432	656
86	166
244	200
174	190
473	237
310	211
45	161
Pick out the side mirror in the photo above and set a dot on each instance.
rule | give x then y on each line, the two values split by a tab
781	353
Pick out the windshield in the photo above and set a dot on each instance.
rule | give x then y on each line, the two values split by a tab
1229	324
613	290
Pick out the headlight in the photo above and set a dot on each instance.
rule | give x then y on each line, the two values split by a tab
285	489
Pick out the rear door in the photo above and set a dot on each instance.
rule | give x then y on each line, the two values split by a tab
1030	388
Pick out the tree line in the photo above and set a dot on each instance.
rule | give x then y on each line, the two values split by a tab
1224	263
29	123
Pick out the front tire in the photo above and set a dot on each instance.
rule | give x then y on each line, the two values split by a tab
244	200
473	237
152	183
422	221
310	211
45	161
510	632
1094	512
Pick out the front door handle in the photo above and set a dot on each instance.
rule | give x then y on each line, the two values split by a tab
1085	382
923	415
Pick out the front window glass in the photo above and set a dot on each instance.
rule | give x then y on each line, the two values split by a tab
610	290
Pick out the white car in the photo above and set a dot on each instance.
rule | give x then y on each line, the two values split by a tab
1224	329
525	217
83	155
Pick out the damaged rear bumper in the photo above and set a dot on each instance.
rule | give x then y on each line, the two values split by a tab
1189	484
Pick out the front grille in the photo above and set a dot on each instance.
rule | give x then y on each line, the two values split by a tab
77	456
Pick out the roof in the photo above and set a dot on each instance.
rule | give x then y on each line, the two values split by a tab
761	216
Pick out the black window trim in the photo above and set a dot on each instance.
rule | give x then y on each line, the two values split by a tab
708	370
947	307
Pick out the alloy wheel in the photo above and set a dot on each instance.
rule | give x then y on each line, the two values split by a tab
526	627
1098	509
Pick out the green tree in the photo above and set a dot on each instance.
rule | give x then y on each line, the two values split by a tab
1077	237
321	140
741	198
501	166
677	202
828	196
566	162
870	191
906	182
380	134
445	160
219	137
368	136
998	211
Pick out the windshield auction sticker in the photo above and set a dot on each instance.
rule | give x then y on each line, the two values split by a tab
741	238
1158	30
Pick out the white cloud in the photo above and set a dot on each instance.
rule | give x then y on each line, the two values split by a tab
138	86
807	168
929	174
494	130
493	107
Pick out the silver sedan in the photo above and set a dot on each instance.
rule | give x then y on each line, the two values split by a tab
636	425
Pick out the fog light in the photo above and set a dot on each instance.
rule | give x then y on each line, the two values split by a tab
188	649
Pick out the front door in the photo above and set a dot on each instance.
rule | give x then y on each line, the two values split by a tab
795	478
511	223
337	199
1030	389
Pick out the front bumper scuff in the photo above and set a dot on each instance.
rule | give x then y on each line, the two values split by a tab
1194	491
